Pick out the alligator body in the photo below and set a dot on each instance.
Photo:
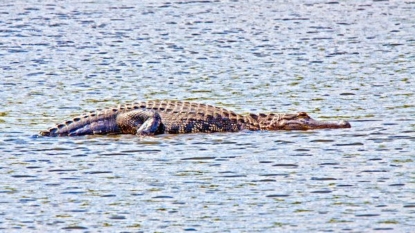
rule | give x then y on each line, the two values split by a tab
173	117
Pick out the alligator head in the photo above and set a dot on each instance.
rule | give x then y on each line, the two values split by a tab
302	121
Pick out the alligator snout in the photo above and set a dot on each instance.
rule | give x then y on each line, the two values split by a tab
344	124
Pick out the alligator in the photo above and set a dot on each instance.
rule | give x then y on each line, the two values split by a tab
176	117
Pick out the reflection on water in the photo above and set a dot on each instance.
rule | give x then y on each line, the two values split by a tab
335	60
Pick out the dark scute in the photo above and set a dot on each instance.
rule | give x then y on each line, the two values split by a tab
253	116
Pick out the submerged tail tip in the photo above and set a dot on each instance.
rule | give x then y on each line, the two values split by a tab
44	133
48	133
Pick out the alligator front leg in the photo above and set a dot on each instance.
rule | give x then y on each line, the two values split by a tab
141	122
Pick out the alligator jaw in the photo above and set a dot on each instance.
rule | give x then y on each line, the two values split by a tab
314	124
302	121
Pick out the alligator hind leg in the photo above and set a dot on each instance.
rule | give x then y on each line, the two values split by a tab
140	122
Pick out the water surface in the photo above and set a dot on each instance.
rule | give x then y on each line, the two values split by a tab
349	60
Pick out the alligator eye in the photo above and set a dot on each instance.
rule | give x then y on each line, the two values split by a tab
302	114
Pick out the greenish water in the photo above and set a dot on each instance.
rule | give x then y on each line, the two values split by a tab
347	60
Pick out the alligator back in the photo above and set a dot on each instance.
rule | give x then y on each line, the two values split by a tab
187	117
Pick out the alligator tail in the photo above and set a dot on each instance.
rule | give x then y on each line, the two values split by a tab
95	122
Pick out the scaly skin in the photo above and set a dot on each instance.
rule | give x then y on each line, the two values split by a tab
173	117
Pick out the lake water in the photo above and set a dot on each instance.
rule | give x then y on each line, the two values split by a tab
351	60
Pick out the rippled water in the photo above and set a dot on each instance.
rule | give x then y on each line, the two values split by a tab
349	60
